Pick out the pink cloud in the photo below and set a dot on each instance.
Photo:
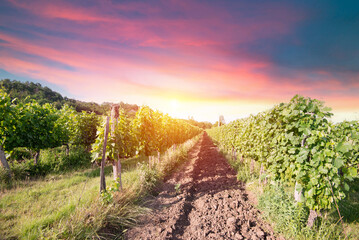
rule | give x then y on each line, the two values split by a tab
197	53
58	9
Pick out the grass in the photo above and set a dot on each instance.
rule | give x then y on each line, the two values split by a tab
288	218
52	163
25	211
68	206
349	209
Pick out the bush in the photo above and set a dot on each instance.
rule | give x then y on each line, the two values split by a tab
56	160
148	177
51	161
4	176
20	154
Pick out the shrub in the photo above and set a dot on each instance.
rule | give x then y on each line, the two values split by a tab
51	161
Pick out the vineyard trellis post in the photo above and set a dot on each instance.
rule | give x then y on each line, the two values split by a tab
114	117
252	166
4	161
102	172
36	158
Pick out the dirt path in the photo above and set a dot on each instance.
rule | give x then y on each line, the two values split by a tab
211	204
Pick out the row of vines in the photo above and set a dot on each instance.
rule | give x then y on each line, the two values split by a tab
31	125
28	124
297	144
148	133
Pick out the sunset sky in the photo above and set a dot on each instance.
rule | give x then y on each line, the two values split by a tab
187	58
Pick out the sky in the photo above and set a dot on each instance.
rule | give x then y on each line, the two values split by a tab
188	58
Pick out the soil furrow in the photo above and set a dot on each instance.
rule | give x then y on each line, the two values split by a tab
211	205
183	221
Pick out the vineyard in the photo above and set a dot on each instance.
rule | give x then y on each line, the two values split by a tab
57	161
39	143
296	144
38	127
148	133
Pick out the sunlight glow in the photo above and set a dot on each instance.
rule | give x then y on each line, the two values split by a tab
174	104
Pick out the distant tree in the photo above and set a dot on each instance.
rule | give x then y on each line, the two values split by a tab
203	125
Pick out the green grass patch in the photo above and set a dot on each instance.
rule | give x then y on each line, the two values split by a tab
68	206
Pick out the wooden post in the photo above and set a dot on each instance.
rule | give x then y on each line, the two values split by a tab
36	158
102	172
119	170
312	216
252	166
4	161
114	117
262	171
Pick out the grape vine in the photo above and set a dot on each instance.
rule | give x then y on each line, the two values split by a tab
297	143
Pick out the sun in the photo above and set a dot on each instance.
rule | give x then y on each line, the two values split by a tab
174	104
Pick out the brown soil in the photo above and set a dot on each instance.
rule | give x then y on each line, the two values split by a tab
212	204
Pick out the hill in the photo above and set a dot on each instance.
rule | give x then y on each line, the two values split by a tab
43	94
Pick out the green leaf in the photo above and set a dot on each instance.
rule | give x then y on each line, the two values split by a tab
346	187
298	187
344	147
353	172
303	155
285	112
326	109
355	135
292	151
311	192
323	170
338	162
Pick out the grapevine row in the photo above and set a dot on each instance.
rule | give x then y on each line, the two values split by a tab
148	133
298	145
34	126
